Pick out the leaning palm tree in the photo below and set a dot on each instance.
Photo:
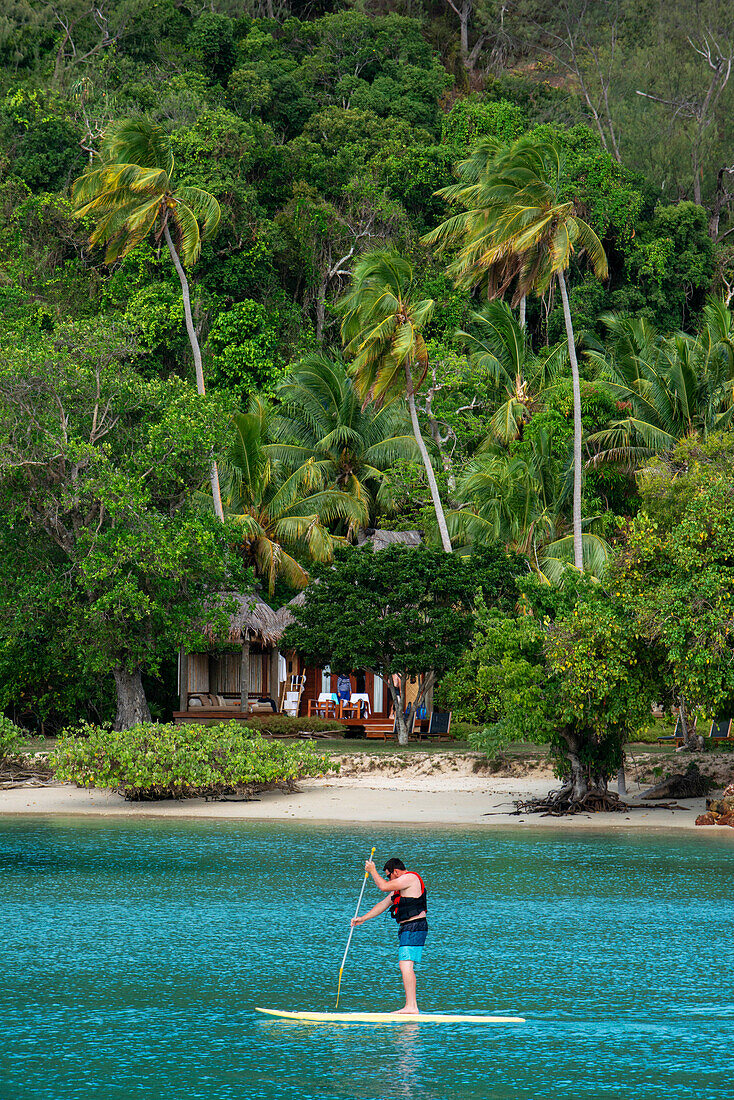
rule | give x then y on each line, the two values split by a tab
670	386
322	421
283	515
382	329
523	229
130	192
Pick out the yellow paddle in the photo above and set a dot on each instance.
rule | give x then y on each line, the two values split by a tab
351	930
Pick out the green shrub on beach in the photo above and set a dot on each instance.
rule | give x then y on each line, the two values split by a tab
11	736
282	725
152	761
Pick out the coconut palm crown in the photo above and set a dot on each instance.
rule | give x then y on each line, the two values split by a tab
130	191
321	420
515	224
382	331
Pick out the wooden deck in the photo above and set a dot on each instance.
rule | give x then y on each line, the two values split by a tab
373	729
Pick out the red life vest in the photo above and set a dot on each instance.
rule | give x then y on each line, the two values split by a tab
403	909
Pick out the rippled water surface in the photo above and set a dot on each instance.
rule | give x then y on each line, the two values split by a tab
133	955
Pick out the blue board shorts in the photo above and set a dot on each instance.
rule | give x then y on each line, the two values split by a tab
411	938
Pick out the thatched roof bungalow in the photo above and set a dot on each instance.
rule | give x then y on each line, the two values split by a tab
237	673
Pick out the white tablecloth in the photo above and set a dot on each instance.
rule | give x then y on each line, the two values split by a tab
362	698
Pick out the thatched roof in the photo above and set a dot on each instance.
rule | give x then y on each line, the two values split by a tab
253	618
381	539
284	616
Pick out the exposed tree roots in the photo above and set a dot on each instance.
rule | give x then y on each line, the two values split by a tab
561	804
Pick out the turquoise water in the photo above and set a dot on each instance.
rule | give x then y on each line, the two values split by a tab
134	953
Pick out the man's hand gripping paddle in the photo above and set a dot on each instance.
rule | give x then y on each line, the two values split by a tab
351	930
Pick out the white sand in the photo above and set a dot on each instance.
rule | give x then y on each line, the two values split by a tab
425	791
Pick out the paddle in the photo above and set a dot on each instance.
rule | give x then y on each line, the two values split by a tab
351	930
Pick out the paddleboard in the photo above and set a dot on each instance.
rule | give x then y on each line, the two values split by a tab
388	1018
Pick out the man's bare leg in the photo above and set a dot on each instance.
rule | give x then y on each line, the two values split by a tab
408	974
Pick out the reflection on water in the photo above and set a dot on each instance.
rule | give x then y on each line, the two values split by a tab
134	953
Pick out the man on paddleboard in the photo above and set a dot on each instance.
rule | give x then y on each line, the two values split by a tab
409	904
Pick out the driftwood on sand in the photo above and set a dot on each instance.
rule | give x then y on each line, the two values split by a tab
20	771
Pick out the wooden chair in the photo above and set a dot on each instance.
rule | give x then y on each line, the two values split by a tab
721	729
677	734
326	706
439	726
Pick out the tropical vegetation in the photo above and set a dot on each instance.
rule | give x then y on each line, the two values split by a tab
270	277
155	760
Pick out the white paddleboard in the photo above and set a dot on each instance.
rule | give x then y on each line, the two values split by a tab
388	1018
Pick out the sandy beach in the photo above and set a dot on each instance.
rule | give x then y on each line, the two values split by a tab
438	789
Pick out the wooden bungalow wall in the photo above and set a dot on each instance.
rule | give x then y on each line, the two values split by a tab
220	673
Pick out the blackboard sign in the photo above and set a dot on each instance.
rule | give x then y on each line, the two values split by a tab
720	727
440	724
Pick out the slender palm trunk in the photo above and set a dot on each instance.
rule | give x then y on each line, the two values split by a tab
523	307
196	351
578	549
433	484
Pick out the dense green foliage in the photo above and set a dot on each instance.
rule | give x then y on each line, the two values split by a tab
675	576
403	612
153	761
104	566
298	157
570	670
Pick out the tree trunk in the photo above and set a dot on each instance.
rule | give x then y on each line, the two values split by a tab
579	785
320	313
578	550
464	14
621	780
245	677
196	352
132	706
523	307
398	703
433	485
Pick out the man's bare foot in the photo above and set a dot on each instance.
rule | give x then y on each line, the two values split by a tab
407	1011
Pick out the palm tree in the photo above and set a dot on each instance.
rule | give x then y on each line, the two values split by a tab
281	514
518	500
475	222
322	421
382	329
521	230
672	386
498	347
131	192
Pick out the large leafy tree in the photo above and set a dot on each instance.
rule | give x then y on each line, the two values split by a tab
404	611
321	423
382	330
675	575
130	191
283	515
520	230
571	672
98	539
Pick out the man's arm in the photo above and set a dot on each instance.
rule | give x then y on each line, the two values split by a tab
382	883
375	911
